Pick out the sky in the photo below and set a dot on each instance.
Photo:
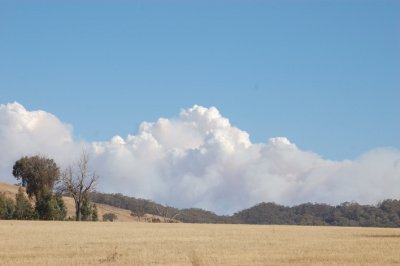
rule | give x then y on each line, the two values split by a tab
321	77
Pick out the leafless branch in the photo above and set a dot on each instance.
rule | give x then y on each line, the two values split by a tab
78	182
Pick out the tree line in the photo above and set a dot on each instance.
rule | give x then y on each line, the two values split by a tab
45	185
384	214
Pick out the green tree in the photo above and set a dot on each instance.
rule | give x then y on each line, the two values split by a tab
60	208
6	207
95	215
88	210
51	207
23	208
39	174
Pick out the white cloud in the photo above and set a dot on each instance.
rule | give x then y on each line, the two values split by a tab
200	160
28	133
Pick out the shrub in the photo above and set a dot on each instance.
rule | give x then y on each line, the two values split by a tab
6	207
23	207
109	217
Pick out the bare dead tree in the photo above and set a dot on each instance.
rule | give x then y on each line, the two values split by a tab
78	182
168	213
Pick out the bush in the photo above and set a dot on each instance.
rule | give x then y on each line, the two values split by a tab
95	216
7	207
109	217
50	207
89	211
23	207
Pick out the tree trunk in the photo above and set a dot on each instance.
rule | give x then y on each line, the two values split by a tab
78	211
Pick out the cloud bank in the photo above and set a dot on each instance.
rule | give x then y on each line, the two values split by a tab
200	160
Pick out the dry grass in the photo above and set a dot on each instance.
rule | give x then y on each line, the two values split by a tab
8	190
91	243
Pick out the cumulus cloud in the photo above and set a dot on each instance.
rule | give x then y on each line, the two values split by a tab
27	133
200	160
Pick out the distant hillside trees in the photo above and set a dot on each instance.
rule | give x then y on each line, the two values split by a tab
169	214
385	214
195	215
78	182
39	175
135	205
140	208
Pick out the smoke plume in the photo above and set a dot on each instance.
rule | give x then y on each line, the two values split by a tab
200	160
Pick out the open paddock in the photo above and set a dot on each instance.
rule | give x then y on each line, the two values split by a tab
127	243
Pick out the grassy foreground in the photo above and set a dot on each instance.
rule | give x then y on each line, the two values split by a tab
100	243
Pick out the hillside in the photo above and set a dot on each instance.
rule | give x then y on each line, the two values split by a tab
123	214
385	214
136	205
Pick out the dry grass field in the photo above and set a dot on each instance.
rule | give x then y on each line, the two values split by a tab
127	243
106	243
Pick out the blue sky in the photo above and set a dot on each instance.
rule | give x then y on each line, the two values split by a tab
325	74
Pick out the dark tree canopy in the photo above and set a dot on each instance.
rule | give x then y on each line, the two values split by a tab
37	174
88	211
50	207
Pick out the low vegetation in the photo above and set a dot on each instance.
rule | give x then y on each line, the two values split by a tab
109	216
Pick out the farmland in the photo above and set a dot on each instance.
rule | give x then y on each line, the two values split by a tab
134	243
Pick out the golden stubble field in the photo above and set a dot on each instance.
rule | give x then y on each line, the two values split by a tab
102	243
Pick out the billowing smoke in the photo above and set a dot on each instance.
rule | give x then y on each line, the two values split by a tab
200	160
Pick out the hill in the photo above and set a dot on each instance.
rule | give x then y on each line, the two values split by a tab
167	213
385	214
